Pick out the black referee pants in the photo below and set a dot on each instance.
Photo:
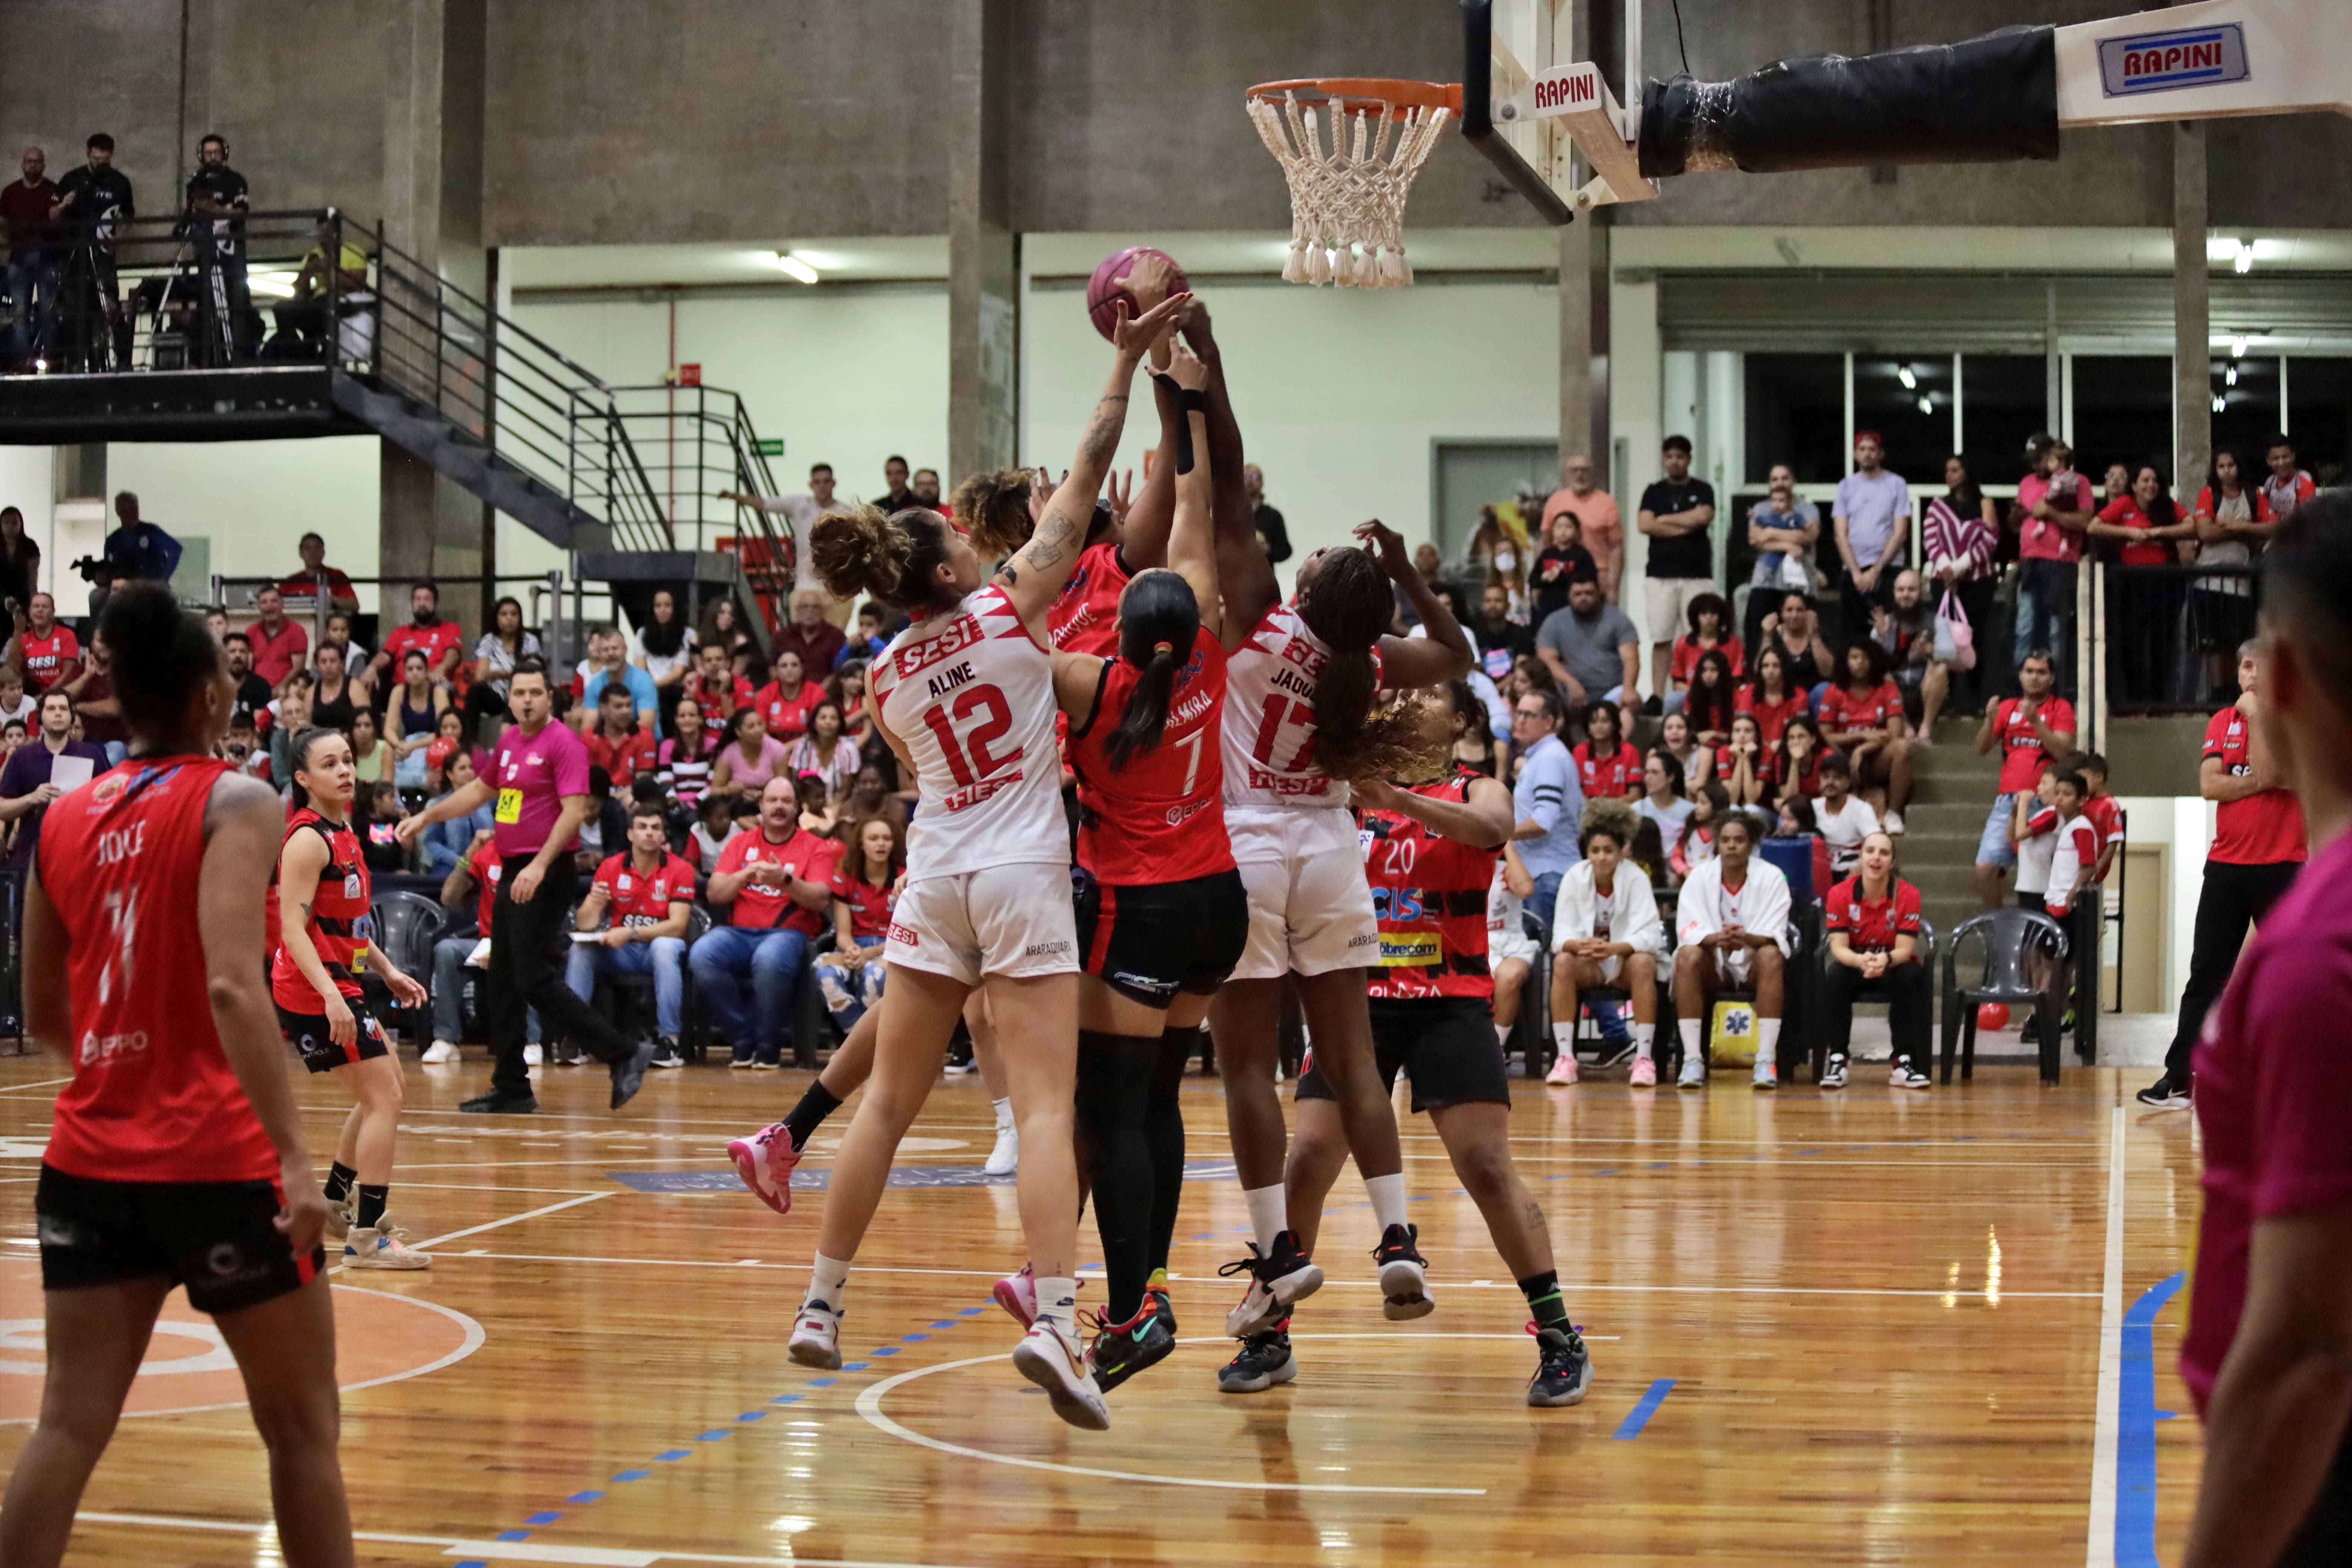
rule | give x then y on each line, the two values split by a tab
529	945
2233	898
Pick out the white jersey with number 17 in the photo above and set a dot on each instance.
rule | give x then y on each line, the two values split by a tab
1269	725
970	695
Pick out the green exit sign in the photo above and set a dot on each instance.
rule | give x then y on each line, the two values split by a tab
771	445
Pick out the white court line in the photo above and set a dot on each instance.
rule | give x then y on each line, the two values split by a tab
2100	1550
508	1551
869	1406
1569	1286
37	1083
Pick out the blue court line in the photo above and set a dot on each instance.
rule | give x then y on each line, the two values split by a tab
2136	1419
1647	1407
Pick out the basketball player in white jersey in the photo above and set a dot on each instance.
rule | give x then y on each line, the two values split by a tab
1298	725
965	698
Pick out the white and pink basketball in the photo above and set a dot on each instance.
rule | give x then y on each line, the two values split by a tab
1103	291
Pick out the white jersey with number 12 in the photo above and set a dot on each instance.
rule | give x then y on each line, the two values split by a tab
970	695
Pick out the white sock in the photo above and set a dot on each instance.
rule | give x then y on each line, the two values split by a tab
826	1282
1269	1213
1004	1112
1768	1040
1644	1037
1387	1194
1057	1303
1689	1026
1502	1034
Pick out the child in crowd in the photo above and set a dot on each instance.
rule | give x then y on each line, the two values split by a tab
14	705
1842	817
716	826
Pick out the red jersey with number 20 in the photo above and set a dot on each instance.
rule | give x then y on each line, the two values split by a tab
970	695
1269	725
1429	893
152	1097
1161	819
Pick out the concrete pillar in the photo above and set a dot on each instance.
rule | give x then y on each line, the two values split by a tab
432	65
2192	375
1584	341
983	253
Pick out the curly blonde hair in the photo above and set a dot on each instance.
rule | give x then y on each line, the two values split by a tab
993	508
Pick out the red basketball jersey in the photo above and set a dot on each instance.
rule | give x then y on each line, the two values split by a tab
340	924
152	1097
1083	617
1162	817
1429	893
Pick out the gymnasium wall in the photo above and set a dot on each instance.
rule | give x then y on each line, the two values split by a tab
633	121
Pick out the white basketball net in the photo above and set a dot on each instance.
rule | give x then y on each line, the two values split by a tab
1350	169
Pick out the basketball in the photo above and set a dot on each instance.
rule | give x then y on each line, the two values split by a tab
1103	290
1992	1015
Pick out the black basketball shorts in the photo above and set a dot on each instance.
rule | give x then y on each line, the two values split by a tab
1149	941
1445	1045
220	1239
309	1034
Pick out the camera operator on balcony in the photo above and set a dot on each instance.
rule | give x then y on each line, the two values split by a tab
94	203
215	229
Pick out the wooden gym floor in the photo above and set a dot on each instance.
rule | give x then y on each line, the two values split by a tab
1871	1328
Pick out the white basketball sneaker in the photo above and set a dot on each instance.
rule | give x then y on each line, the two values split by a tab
381	1245
1017	1294
1768	1074
1005	1157
816	1338
440	1051
1693	1073
1057	1364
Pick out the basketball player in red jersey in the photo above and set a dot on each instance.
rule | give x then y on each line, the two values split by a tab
177	1156
324	947
1430	848
1161	913
965	698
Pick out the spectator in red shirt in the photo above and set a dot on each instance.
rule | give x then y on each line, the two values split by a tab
280	645
1772	696
864	886
817	640
641	899
619	744
315	574
441	641
2268	1355
776	884
2032	731
2055	506
45	648
1863	716
2105	814
787	701
1796	772
716	688
1710	628
1606	767
1874	926
2258	847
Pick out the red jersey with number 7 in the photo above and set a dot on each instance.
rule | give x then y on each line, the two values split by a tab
1269	725
970	693
154	1098
1162	817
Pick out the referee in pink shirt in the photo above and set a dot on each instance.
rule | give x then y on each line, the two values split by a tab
2269	1351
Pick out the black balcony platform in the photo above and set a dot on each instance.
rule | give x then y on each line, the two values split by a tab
241	403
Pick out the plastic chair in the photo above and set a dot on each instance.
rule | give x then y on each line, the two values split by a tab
1926	955
2008	936
406	926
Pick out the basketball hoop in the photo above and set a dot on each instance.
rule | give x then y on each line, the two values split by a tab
1349	147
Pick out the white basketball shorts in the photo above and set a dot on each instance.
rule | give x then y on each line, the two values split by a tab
1015	921
1310	910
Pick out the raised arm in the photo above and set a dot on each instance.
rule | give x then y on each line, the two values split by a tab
1443	654
1035	576
1192	546
1482	819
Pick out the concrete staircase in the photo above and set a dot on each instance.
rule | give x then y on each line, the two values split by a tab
1938	850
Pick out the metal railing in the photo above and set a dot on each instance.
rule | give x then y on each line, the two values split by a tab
2165	638
181	293
693	442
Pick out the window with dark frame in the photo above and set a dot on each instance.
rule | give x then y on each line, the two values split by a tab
1795	414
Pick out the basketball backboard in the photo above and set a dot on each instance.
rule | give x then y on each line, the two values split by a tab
1530	106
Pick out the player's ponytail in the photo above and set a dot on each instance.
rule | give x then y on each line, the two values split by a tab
161	656
1159	621
891	559
1347	603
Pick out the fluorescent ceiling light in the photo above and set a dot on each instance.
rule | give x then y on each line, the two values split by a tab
794	267
2237	348
1910	382
2230	376
1926	404
2220	403
2245	258
272	285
